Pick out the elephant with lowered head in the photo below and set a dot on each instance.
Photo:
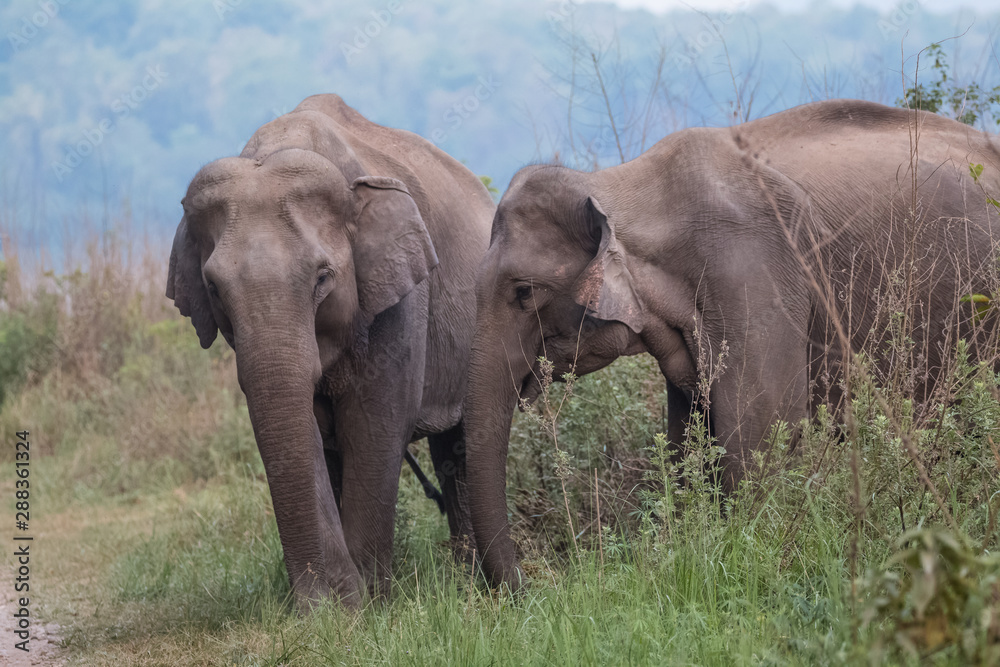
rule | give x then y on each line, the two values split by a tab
748	261
337	258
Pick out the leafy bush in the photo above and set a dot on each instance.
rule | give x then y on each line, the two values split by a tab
969	104
28	346
945	600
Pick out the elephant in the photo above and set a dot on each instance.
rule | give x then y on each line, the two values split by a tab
337	258
748	261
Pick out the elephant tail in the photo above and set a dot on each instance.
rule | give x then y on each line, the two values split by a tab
430	490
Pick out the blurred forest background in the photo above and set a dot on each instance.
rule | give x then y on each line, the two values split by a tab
112	107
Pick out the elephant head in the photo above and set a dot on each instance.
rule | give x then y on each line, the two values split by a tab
290	253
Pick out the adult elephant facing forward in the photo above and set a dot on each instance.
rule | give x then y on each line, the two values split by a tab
337	257
750	259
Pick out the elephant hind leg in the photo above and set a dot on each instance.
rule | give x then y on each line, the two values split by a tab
335	466
448	455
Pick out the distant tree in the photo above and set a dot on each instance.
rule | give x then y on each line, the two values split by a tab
969	104
492	189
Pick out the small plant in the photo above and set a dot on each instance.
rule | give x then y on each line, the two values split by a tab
546	415
936	595
28	335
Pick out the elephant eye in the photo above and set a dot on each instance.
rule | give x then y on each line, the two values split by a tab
522	293
321	281
212	289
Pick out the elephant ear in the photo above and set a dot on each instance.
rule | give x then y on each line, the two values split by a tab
393	251
187	288
605	287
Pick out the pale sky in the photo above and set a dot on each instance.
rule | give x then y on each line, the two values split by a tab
803	5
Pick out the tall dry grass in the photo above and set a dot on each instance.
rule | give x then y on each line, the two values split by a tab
106	374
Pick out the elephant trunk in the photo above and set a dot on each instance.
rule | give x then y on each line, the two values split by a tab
279	386
497	369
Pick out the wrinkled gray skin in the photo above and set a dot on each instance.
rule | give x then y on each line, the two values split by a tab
338	258
716	238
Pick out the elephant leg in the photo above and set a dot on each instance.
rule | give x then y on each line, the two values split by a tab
767	383
678	413
448	454
372	447
335	466
323	409
375	420
667	345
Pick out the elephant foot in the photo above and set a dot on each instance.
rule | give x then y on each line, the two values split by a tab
348	591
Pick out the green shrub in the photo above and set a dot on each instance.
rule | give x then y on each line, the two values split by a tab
969	104
27	339
936	596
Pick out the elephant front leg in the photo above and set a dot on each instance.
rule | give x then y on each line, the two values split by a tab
668	347
372	449
448	454
768	382
678	414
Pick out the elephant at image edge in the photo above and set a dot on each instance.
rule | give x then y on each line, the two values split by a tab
337	257
706	252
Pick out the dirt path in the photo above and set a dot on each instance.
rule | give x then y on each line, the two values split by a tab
43	647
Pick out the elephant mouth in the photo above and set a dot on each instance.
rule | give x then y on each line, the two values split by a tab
614	340
530	390
531	385
564	353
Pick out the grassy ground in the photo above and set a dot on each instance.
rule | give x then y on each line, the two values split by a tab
156	545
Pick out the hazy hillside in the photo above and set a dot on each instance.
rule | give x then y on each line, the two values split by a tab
111	102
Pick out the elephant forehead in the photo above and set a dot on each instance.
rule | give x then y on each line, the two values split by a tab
529	214
248	255
291	175
301	165
211	185
534	226
553	262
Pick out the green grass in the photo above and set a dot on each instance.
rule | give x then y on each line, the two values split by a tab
185	568
197	576
156	544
